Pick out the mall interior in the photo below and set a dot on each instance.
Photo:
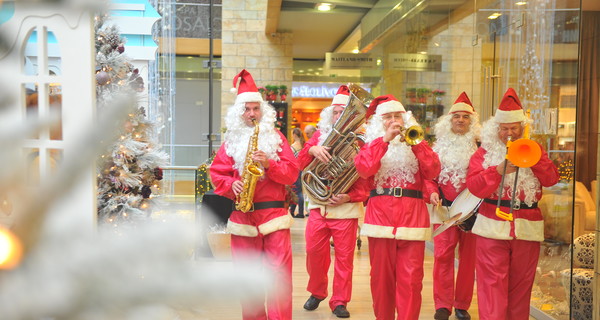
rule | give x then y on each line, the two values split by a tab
424	52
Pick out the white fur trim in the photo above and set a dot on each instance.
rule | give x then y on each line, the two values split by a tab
491	228
376	231
241	229
279	223
389	106
404	233
340	99
461	106
529	230
248	97
509	116
348	210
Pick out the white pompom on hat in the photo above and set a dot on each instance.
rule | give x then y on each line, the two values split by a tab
342	96
246	90
462	104
510	109
384	104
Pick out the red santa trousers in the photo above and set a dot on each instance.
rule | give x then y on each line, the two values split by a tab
447	293
505	273
396	277
318	256
275	252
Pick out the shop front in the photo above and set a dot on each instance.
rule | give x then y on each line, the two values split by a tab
431	51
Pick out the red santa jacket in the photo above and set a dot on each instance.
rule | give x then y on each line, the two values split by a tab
528	224
387	216
271	187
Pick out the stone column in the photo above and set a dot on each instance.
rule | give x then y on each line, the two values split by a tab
268	57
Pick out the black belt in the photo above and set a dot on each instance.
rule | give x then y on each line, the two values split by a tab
506	203
398	192
265	205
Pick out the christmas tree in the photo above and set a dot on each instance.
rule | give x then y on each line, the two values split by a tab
129	170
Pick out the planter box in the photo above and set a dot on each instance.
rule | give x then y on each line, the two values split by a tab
220	245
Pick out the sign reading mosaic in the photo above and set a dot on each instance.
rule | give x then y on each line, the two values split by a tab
349	61
192	19
415	62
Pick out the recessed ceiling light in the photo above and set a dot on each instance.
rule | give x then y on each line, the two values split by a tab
494	15
324	6
355	51
521	3
423	52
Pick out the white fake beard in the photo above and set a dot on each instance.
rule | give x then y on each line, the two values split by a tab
398	166
454	151
528	183
238	135
325	125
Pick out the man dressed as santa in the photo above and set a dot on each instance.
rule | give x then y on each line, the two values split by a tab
396	219
264	231
337	219
456	140
507	249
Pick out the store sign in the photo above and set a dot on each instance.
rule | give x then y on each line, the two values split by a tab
415	62
349	61
317	89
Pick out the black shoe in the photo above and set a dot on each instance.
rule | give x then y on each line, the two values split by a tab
312	303
442	314
299	216
341	311
462	314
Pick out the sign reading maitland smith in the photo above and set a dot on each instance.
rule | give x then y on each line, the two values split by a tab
349	61
415	62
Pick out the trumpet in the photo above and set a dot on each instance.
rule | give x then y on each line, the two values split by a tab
413	135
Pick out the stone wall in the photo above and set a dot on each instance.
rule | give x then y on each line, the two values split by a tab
268	57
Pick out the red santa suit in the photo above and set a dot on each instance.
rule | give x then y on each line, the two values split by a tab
396	219
263	232
454	151
507	251
325	222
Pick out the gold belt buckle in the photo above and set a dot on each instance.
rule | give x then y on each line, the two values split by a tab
397	194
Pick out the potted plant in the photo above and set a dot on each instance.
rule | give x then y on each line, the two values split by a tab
411	94
283	92
437	95
271	92
422	94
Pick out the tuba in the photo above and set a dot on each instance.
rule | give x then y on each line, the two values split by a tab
252	172
322	180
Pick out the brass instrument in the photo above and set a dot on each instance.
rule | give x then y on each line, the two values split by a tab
413	135
322	180
523	153
252	172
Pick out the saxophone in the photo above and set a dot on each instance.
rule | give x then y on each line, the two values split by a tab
252	172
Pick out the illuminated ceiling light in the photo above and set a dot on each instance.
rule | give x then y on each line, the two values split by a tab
324	6
300	71
521	3
310	70
494	15
355	51
436	44
423	52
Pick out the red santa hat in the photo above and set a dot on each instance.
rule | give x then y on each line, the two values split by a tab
384	104
462	104
246	90
510	109
342	96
